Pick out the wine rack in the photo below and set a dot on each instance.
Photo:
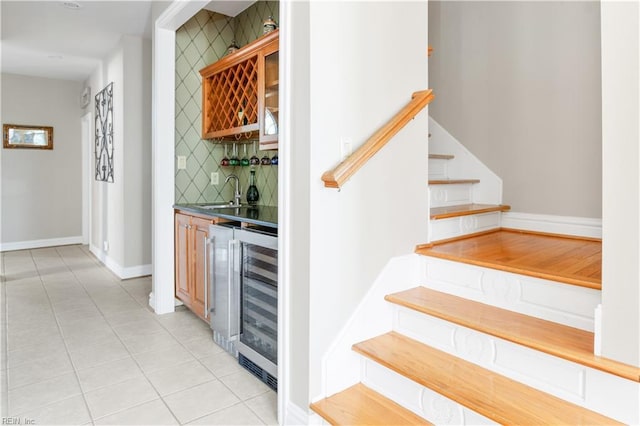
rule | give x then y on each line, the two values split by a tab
234	95
231	101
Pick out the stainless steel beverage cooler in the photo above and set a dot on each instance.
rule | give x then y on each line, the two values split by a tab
244	297
258	342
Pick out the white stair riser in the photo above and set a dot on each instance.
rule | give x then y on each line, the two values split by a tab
562	303
564	379
442	229
465	165
450	195
438	168
422	401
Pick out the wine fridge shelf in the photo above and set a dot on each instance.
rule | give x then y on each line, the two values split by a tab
264	305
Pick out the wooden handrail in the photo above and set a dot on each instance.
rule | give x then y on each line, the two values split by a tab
336	177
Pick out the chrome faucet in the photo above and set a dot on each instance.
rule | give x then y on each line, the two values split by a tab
238	192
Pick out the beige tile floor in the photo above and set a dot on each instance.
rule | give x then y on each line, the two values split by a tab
80	346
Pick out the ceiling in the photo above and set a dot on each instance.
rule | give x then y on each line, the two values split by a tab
56	40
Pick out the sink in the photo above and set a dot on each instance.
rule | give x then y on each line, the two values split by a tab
220	206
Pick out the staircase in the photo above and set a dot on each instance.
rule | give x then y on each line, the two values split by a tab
451	360
454	211
498	329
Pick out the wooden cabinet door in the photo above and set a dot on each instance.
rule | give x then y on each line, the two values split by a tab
182	258
200	277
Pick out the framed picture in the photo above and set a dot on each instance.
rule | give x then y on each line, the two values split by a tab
27	137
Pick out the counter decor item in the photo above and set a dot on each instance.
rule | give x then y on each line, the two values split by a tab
252	192
269	25
274	160
232	47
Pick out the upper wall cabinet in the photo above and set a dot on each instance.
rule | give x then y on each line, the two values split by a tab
240	94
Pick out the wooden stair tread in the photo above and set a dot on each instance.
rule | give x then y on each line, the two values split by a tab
359	405
441	156
549	337
489	394
576	261
451	181
465	210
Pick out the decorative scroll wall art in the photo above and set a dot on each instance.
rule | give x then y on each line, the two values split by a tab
104	134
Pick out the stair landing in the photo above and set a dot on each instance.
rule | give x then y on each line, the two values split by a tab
576	261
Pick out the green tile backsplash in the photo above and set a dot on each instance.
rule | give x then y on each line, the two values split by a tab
199	42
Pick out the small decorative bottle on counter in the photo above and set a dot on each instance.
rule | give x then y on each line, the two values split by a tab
252	193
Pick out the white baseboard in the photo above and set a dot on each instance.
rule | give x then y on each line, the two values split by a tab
33	244
567	225
136	271
152	301
120	271
295	415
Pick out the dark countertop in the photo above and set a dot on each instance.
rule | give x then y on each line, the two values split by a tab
258	215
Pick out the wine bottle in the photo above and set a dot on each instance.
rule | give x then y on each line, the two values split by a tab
243	120
252	193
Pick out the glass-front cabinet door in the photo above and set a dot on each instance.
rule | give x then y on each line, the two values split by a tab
269	97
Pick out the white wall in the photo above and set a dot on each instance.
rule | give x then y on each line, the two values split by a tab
294	199
361	74
41	189
518	83
167	19
137	147
621	181
121	211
